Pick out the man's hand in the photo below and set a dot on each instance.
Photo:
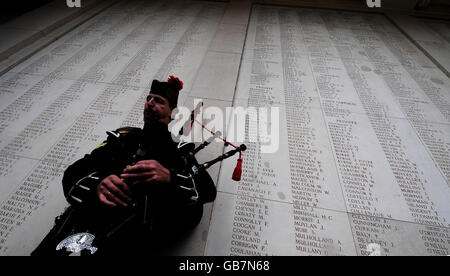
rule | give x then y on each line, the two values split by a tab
112	191
146	172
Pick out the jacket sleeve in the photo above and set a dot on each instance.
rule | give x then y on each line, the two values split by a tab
80	179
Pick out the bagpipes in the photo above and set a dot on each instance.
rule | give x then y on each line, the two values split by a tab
188	125
74	231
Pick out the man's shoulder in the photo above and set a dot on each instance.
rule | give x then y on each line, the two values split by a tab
124	132
128	130
119	135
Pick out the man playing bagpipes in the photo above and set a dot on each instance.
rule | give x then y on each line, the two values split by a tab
137	191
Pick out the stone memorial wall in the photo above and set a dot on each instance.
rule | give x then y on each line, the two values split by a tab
431	35
363	162
363	159
58	105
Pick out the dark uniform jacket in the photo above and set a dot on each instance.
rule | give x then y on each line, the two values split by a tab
175	207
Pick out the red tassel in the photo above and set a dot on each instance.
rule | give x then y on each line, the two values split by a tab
238	170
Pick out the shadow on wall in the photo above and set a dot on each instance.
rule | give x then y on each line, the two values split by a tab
12	9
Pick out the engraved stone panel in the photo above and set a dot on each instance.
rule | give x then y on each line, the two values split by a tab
362	164
58	104
432	35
